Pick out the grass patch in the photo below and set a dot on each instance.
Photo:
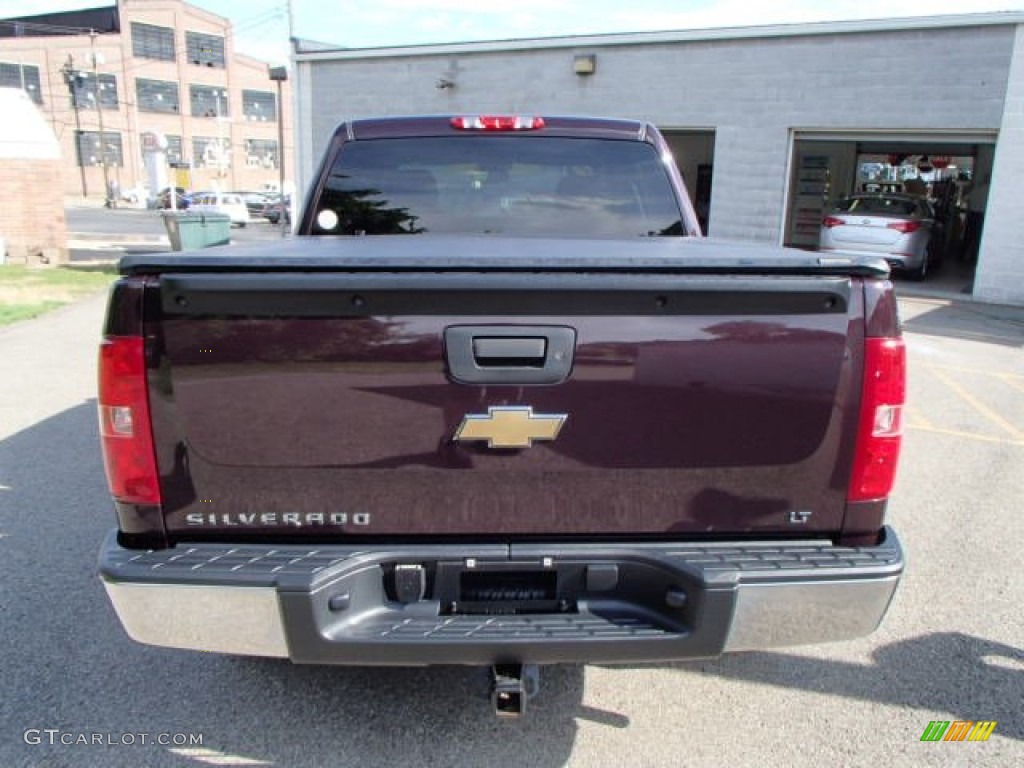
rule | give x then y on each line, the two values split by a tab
12	313
27	293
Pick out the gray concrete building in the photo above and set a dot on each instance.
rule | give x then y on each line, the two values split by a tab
770	125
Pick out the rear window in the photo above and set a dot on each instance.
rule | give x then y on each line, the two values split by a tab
884	206
498	185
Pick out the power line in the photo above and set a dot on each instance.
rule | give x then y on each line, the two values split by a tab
132	66
277	12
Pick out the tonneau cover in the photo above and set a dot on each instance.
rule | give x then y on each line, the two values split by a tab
683	255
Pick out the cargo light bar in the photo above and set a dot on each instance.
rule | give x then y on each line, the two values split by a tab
497	123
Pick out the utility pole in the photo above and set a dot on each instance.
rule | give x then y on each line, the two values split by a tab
69	77
221	172
279	75
110	203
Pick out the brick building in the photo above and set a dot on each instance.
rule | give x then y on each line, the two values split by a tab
148	66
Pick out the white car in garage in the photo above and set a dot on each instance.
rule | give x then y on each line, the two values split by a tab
898	228
229	203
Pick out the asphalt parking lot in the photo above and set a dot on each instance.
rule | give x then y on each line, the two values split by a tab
102	235
951	648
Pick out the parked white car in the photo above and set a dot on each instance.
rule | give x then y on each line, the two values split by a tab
228	203
136	195
899	228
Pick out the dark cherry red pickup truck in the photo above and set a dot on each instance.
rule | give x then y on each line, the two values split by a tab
499	403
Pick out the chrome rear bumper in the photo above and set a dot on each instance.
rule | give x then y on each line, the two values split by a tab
615	603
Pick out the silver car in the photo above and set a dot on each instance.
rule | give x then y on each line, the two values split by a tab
898	228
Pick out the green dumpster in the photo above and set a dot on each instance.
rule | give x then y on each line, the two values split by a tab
189	231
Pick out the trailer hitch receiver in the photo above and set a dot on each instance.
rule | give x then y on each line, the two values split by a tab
511	686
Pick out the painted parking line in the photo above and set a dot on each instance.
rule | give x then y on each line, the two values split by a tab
967	435
916	419
1017	382
1017	378
978	406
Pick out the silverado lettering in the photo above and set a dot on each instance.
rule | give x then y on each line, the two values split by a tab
273	518
583	432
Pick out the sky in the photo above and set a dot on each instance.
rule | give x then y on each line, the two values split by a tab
261	26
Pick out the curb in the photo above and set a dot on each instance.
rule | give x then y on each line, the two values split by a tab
936	293
103	237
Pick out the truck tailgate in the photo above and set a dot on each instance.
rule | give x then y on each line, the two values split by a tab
501	403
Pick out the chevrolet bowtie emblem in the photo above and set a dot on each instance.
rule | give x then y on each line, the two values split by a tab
510	426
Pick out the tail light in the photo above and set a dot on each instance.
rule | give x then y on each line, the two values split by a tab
125	430
906	227
832	221
880	430
497	123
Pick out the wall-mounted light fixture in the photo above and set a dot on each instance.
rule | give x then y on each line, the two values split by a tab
449	79
585	64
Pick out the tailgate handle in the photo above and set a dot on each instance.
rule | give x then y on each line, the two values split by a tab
509	354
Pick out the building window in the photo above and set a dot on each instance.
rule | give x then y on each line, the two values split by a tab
261	153
259	106
156	95
174	149
204	50
22	76
210	152
91	148
209	101
151	42
83	93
